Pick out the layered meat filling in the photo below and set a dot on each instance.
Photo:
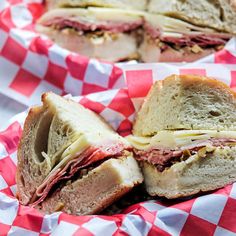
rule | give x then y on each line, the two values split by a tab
194	41
77	166
93	29
167	148
114	27
163	158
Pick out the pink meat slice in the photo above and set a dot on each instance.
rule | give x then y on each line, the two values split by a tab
201	39
110	26
163	157
88	157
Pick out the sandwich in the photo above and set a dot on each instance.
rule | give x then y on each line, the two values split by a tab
122	4
168	39
102	33
184	136
217	14
116	31
69	159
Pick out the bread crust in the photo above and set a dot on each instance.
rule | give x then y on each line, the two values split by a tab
20	158
189	80
26	183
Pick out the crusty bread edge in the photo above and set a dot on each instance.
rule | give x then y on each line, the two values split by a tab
32	115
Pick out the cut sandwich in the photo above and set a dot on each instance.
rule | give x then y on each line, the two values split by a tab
185	136
168	39
108	34
69	159
217	14
180	31
122	4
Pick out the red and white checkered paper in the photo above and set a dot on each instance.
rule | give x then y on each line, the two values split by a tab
31	64
140	77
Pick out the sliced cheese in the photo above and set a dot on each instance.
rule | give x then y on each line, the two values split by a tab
177	139
167	25
75	149
92	15
82	129
71	152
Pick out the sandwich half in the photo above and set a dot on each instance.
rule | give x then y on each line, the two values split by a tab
185	136
123	4
102	33
169	39
69	159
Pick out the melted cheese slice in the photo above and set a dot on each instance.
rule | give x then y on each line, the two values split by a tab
92	15
71	152
82	129
177	139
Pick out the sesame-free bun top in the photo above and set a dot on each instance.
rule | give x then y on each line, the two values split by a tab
187	102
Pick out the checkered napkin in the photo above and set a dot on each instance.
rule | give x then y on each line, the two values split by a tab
31	64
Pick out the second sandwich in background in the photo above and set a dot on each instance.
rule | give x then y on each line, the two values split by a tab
180	31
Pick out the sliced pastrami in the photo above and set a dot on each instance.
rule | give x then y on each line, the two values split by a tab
87	158
114	27
163	158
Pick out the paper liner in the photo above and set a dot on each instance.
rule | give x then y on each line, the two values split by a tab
31	64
